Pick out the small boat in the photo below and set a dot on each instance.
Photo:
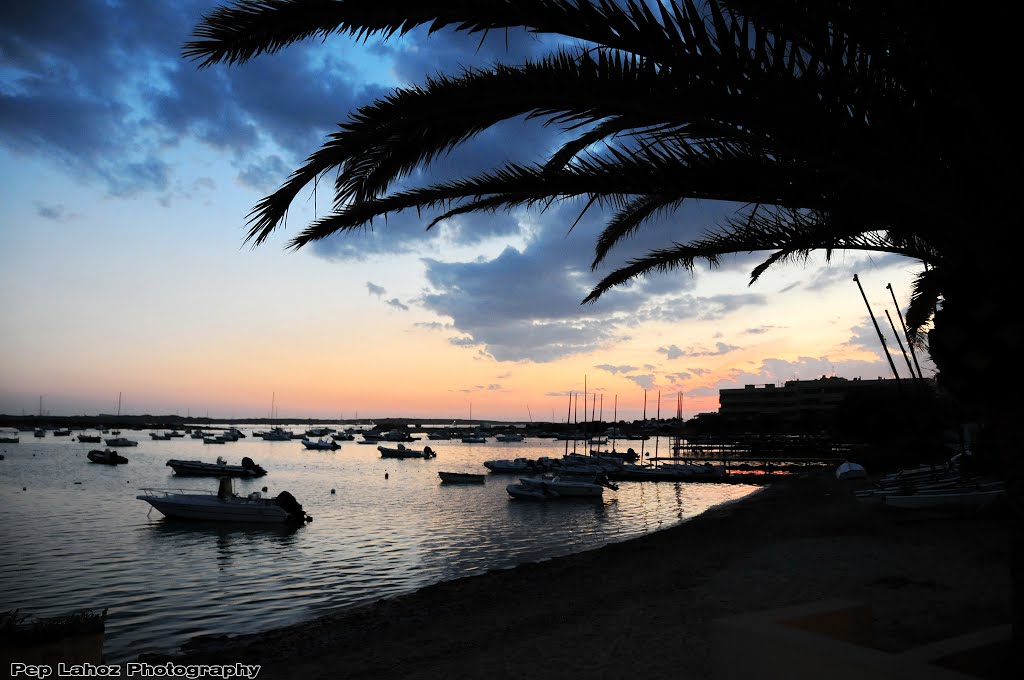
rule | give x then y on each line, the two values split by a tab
62	432
321	445
219	469
121	441
569	487
474	439
514	465
531	493
107	457
343	436
215	439
402	452
850	470
160	436
9	436
226	505
509	437
90	438
461	478
39	432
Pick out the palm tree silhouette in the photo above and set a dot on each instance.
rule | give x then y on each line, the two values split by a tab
871	126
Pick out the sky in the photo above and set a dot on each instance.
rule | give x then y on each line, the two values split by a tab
126	178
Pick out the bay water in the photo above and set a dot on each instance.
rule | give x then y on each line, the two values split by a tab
74	535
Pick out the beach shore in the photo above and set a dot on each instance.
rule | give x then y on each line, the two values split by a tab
644	607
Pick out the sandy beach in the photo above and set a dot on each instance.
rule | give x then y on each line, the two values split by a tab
644	607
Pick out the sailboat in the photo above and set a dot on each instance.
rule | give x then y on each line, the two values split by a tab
474	437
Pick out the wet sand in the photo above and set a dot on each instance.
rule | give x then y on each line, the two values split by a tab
643	607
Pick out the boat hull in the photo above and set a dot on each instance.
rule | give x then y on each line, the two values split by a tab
386	452
530	493
564	488
195	468
461	478
213	509
106	458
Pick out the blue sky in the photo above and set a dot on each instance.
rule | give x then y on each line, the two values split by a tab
127	175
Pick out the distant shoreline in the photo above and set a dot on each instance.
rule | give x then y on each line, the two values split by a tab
150	421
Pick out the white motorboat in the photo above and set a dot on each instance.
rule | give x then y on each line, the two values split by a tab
402	452
107	457
225	505
120	441
197	468
531	493
569	487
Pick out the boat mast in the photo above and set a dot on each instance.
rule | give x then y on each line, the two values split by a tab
615	418
643	442
878	330
900	343
657	433
567	414
906	334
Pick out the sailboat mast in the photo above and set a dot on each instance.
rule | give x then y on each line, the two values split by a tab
878	330
643	442
567	414
906	334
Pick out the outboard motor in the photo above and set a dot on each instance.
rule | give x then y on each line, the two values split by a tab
249	464
287	502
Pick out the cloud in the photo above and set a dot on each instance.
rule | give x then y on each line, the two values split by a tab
625	368
644	381
52	211
671	352
375	289
397	304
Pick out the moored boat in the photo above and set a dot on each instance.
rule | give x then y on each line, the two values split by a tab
226	505
513	465
321	445
90	438
107	457
402	452
509	437
219	469
570	487
461	477
120	441
531	493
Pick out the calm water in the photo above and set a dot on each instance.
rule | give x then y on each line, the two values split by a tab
74	535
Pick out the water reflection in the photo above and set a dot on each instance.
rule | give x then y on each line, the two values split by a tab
93	544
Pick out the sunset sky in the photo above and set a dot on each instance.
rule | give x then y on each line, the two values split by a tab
127	175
